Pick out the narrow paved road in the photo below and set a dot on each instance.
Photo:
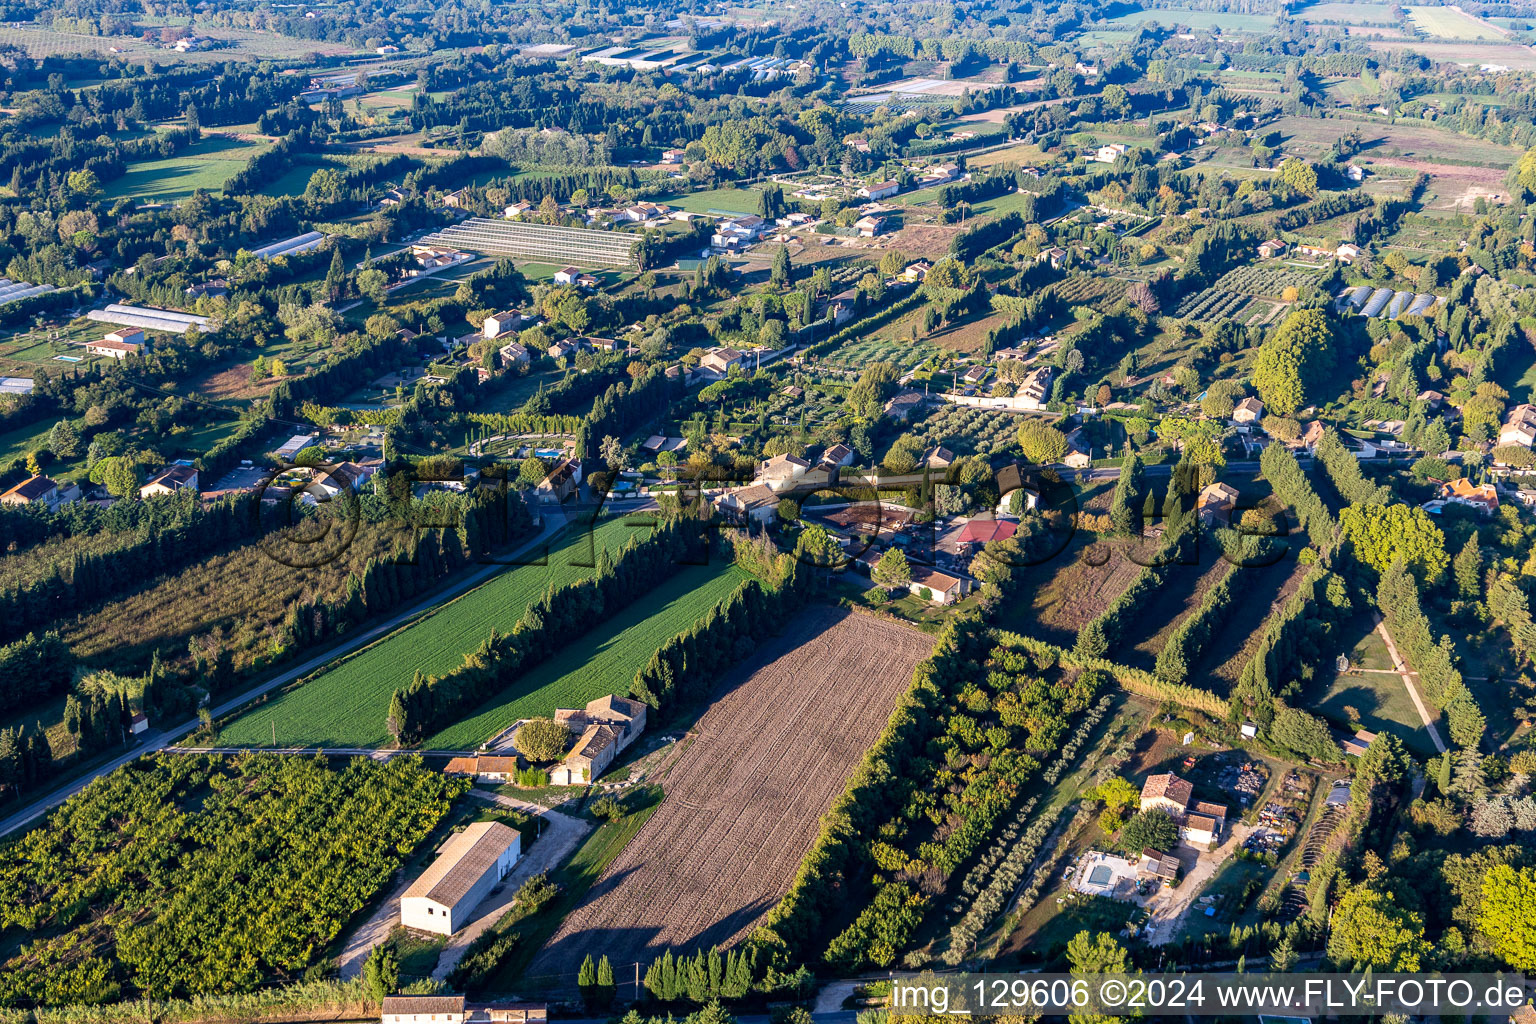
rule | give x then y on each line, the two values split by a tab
560	836
1413	691
554	521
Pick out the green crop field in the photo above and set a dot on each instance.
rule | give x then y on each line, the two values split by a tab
1170	16
1445	23
346	705
600	662
206	165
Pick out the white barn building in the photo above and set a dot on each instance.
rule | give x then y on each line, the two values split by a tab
470	865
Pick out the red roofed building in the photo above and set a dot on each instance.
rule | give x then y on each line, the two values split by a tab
981	531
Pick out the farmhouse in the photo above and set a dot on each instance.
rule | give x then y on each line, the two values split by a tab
1270	249
941	588
1054	255
483	769
1109	153
512	352
567	275
625	716
904	405
838	455
1167	793
170	480
1035	390
916	272
869	227
721	361
469	866
594	751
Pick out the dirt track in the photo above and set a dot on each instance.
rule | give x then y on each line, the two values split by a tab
745	793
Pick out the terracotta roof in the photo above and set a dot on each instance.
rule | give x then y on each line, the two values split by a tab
1168	787
423	1004
1216	811
922	576
464	859
980	531
615	705
1200	823
594	741
462	766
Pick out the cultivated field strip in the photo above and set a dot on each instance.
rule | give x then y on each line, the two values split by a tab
744	797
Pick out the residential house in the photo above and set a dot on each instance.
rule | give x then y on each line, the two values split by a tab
781	472
842	306
1107	154
455	199
1519	426
915	273
941	588
512	352
216	288
1034	390
880	190
640	213
498	324
721	361
937	457
1216	503
756	504
171	479
1272	248
838	455
35	489
975	375
1016	479
869	227
1348	252
568	347
1086	70
567	275
110	346
1482	497
1311	435
903	405
793	392
519	210
940	175
468	867
1055	255
587	282
561	482
857	143
737	232
671	156
1200	829
1432	398
347	477
1167	793
1247	411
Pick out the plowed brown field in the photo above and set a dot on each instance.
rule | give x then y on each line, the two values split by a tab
744	795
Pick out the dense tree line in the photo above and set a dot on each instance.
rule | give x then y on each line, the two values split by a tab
549	624
1435	660
33	668
1290	484
685	668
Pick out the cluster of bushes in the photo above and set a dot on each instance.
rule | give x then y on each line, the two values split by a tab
491	947
34	668
1398	598
429	703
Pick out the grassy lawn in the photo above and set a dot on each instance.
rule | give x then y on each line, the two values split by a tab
600	662
727	200
1444	23
345	705
1383	703
575	877
207	165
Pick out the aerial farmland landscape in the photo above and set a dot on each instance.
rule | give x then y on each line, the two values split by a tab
805	513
